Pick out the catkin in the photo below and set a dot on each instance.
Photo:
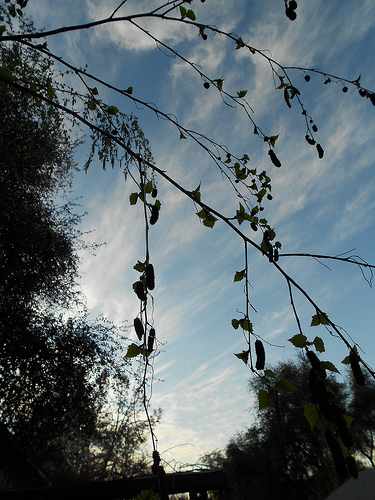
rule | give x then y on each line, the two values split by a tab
150	277
140	291
138	326
324	401
337	454
313	358
344	432
261	355
154	215
356	369
150	340
274	158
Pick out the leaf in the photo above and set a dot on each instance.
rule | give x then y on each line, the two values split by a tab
294	92
319	319
348	420
190	14
241	93
270	373
311	413
139	266
239	275
196	194
299	340
239	43
182	136
149	187
158	204
2	29
346	361
94	91
247	325
235	323
273	139
209	221
265	399
329	366
133	198
219	83
91	106
202	214
133	350
285	385
243	356
112	110
129	90
319	344
182	12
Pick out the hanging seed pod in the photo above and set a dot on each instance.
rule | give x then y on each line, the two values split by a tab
310	140
356	369
342	427
291	14
313	358
322	373
275	255
150	340
352	466
337	454
138	326
274	158
323	401
154	192
150	277
320	151
261	355
154	215
140	291
270	254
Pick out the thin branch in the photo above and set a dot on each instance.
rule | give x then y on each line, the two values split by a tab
352	259
137	157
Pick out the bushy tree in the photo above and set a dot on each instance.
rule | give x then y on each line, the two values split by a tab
284	456
60	379
37	240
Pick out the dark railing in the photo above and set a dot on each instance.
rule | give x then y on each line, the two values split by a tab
194	483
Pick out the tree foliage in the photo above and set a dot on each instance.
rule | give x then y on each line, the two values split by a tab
283	455
64	386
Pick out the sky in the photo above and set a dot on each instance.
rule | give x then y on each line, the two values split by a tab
319	206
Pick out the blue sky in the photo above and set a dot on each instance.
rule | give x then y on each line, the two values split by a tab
319	206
